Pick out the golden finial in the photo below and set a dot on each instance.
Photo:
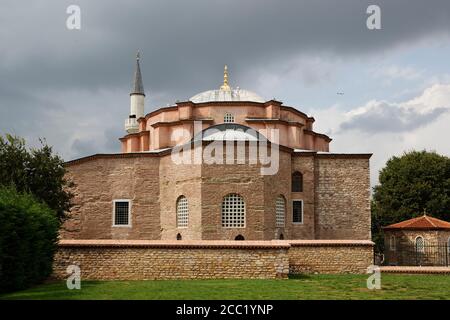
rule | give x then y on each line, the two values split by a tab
225	85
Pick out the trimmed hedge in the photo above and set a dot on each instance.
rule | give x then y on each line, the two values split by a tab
28	239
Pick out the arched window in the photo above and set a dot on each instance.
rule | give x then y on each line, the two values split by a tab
228	118
392	243
297	182
281	237
233	211
179	237
182	212
239	237
280	211
420	244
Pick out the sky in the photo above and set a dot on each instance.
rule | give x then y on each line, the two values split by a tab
383	91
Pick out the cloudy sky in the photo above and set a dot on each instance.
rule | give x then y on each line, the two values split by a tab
72	86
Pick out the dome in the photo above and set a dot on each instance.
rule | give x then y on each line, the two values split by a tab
229	132
226	95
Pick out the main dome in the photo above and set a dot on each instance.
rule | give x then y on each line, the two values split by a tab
226	93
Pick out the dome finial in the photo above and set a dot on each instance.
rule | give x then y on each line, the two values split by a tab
225	85
138	55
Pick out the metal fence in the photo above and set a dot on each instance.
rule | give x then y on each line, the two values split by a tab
410	255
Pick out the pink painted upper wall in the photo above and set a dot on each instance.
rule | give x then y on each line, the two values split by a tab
161	128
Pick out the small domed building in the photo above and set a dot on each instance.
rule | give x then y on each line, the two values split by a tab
422	240
145	192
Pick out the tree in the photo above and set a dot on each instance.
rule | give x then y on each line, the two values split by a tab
37	171
28	240
414	183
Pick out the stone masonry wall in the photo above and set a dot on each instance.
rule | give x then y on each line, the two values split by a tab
219	180
150	260
98	182
180	180
306	229
334	256
160	260
342	198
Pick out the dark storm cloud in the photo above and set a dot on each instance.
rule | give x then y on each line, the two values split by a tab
184	45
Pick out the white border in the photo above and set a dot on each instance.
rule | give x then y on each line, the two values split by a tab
303	208
114	213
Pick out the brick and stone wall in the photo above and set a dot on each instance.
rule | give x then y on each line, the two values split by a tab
336	202
98	182
147	260
330	256
342	197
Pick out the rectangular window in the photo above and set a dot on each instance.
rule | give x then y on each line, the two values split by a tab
121	214
297	211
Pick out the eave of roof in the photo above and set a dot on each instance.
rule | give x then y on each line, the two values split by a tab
420	223
143	154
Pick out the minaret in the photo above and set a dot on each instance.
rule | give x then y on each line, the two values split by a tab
137	97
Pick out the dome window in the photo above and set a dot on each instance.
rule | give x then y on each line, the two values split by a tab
228	118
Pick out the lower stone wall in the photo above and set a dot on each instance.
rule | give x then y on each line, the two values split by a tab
160	260
330	256
151	260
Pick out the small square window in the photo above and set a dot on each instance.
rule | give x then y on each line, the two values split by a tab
121	213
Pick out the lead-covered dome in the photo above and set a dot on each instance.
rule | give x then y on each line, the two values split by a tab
226	93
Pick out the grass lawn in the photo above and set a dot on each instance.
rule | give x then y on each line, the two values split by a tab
393	286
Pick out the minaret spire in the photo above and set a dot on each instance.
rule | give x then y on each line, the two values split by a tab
138	86
225	85
137	97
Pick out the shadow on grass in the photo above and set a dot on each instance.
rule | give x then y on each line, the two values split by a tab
299	276
50	290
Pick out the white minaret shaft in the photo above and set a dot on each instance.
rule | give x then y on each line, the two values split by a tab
137	98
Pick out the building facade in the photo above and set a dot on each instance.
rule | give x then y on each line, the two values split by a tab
146	193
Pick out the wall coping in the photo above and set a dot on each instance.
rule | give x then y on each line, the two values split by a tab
330	243
229	244
225	244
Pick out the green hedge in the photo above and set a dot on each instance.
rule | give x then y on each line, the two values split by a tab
28	238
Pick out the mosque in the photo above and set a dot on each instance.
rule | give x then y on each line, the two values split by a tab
144	193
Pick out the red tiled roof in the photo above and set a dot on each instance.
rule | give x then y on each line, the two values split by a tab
423	222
